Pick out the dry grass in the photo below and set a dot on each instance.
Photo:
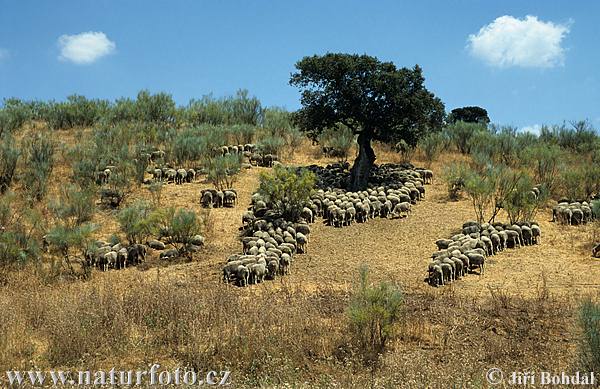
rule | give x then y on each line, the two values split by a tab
518	315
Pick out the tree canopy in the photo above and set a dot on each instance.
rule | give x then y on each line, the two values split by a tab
375	99
469	115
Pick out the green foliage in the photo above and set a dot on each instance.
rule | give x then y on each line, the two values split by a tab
9	154
222	171
520	204
138	222
39	151
193	144
20	232
545	161
242	133
589	349
76	111
231	110
595	205
480	189
357	90
431	145
339	139
156	190
271	144
469	115
75	206
571	183
455	175
372	312
277	121
181	225
580	138
287	191
13	116
158	108
460	134
405	150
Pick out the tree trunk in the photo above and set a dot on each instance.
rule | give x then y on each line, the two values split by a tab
359	174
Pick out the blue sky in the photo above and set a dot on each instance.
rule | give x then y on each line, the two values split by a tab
523	71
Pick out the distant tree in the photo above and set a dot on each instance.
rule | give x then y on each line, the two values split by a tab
377	100
469	115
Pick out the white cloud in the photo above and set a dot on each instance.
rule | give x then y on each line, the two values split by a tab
529	42
533	129
85	48
4	54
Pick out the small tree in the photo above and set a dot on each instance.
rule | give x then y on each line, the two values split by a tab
181	226
521	204
287	191
461	133
455	175
138	222
339	140
222	171
75	206
372	312
431	145
156	189
9	154
589	349
20	232
546	162
40	162
480	189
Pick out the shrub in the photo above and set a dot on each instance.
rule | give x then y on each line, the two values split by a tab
155	189
571	183
20	232
287	191
431	145
339	140
75	206
13	116
238	109
460	134
243	133
480	189
520	204
64	239
455	175
271	144
546	162
9	154
40	162
405	150
222	171
372	312
589	350
179	228
158	108
138	222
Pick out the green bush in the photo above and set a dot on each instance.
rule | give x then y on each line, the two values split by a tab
271	144
589	349
9	154
431	145
75	206
39	164
222	171
13	116
339	140
520	204
287	191
546	162
460	134
20	233
158	108
230	110
138	222
372	313
480	188
243	133
179	228
455	175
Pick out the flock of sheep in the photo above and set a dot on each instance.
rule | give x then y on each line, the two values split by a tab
469	249
269	242
574	213
212	198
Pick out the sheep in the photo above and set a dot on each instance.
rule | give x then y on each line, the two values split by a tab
536	234
303	229
400	208
242	274
257	273
477	261
180	176
301	241
272	269
307	215
436	275
285	262
447	272
169	254
229	198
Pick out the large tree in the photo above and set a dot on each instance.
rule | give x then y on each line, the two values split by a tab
377	100
469	115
